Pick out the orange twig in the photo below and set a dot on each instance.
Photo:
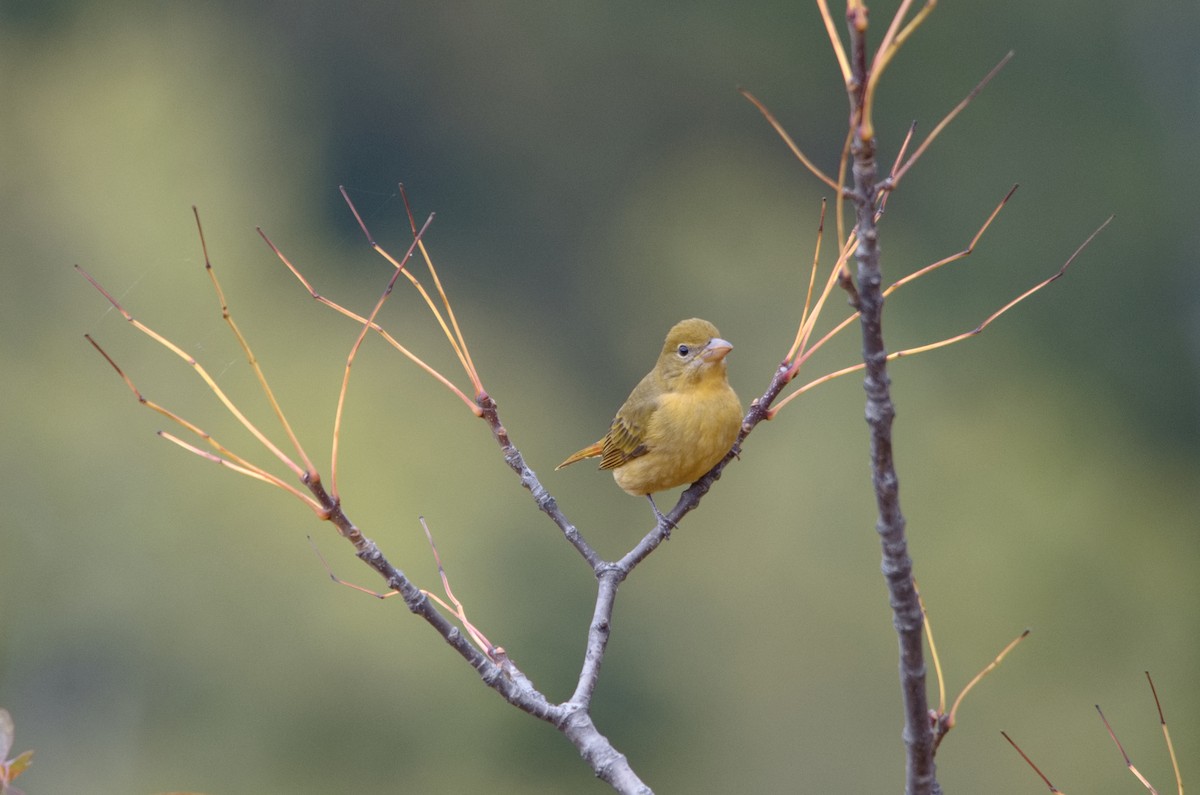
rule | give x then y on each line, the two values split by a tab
801	336
455	340
891	44
1009	305
249	470
843	164
946	721
250	357
328	570
204	376
373	326
1166	735
929	139
224	456
468	363
1162	720
835	41
799	353
1125	756
966	252
952	716
484	645
907	279
937	660
886	187
362	334
1029	762
787	139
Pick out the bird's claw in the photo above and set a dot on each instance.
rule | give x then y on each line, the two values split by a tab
663	521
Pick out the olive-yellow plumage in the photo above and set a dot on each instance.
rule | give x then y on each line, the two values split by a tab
678	422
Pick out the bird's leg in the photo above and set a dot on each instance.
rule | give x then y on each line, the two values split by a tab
661	518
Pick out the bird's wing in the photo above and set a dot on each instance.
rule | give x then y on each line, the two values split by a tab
623	443
625	439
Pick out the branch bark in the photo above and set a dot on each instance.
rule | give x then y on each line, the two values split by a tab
920	773
494	667
572	717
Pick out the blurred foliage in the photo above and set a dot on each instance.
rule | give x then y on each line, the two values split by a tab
165	626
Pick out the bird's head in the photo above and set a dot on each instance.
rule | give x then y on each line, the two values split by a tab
693	351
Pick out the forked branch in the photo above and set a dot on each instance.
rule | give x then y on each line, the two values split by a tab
492	663
945	721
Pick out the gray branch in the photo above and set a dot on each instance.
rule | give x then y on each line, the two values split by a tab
897	567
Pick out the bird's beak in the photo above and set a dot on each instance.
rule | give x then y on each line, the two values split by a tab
716	350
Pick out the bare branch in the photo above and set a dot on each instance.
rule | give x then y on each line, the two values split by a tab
1162	720
950	117
787	139
301	473
461	346
454	338
1029	762
947	720
486	646
891	44
373	326
908	618
247	469
805	354
1125	756
835	41
227	316
366	326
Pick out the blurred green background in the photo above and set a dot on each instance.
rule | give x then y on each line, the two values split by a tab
164	625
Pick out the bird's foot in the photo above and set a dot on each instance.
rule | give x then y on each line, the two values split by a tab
666	523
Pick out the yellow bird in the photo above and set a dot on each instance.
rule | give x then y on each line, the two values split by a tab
678	422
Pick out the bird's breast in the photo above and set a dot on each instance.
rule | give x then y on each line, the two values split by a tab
687	434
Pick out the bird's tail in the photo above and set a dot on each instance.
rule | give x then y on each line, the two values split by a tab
591	451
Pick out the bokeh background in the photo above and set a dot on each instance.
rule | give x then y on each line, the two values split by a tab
164	624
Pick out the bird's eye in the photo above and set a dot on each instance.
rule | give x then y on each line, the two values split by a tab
682	350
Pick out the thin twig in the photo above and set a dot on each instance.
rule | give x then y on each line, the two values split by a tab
805	354
835	41
211	383
948	720
247	469
1029	762
455	340
805	328
461	345
933	134
357	318
800	350
362	334
888	185
1162	720
1125	756
891	44
787	139
992	317
227	316
933	653
486	646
